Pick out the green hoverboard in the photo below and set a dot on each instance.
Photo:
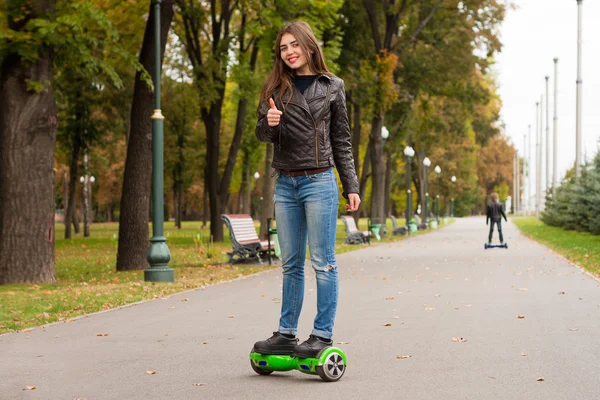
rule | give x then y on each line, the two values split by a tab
330	364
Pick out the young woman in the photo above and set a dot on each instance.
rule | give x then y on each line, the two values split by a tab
302	111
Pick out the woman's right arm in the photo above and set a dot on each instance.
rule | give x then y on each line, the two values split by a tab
264	132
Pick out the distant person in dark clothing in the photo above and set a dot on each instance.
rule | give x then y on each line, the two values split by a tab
495	213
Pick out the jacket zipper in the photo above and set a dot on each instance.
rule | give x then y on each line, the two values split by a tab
315	124
316	129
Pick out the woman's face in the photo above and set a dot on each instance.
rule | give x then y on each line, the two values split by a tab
292	54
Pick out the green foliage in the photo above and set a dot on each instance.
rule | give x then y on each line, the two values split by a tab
576	204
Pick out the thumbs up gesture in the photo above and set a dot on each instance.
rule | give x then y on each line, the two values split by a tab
273	115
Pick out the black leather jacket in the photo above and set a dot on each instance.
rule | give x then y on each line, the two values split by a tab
313	131
495	212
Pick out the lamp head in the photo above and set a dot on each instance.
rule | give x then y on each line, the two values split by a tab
426	162
409	151
256	175
453	178
385	133
438	169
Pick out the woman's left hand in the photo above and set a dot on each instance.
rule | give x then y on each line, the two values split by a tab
353	202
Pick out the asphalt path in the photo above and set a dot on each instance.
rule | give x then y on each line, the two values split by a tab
432	317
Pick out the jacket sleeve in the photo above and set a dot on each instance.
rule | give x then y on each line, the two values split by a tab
487	214
264	132
502	212
341	142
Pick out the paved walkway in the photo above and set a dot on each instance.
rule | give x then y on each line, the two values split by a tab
431	289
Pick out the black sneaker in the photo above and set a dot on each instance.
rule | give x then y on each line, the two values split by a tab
311	347
276	345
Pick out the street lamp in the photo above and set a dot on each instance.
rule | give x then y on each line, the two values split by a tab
256	176
86	180
385	133
426	163
438	171
158	255
409	152
453	179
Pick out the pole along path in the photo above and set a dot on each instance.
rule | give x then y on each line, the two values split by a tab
432	317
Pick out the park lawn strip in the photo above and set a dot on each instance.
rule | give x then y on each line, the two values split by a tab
87	281
581	248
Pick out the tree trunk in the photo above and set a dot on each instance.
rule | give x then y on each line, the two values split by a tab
212	122
268	206
388	183
246	185
28	123
70	216
86	194
378	167
65	197
135	199
364	177
206	205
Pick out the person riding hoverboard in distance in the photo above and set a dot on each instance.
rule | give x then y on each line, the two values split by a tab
495	212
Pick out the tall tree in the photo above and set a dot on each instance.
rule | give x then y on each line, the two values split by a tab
135	200
28	122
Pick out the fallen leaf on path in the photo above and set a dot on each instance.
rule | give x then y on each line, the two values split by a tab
459	339
27	330
388	324
231	316
396	317
205	342
573	329
390	298
430	308
30	388
520	316
562	292
199	384
456	308
523	289
437	295
101	334
342	342
403	357
492	377
151	372
523	354
540	379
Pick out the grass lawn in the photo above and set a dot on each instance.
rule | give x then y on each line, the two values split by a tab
581	248
88	282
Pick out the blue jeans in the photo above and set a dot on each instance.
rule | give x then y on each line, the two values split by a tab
306	207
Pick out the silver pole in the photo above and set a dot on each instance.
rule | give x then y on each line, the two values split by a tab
537	159
524	208
529	177
547	135
514	182
555	156
579	95
518	196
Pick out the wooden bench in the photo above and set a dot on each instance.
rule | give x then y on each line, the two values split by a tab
398	230
353	235
244	240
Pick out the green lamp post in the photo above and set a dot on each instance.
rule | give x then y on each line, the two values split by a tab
158	254
453	179
438	171
426	163
409	152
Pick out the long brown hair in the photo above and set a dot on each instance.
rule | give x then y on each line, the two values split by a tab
280	77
